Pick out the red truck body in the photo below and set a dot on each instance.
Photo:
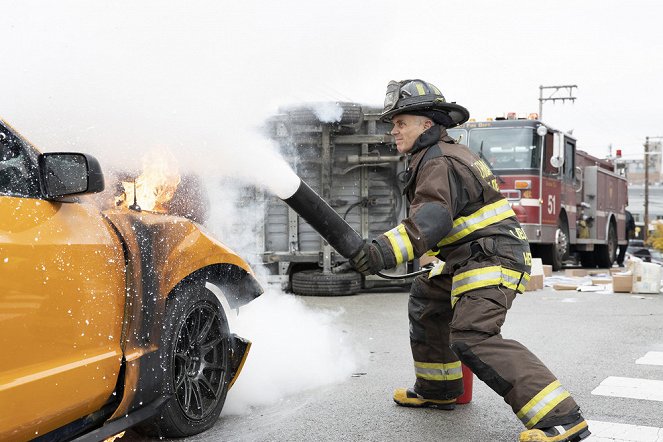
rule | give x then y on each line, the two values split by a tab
567	201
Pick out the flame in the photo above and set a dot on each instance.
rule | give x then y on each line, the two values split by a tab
156	186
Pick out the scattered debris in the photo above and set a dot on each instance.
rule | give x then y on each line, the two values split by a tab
567	282
593	288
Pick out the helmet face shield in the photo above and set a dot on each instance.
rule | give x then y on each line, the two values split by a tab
410	96
392	96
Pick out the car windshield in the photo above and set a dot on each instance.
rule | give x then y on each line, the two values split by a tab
506	148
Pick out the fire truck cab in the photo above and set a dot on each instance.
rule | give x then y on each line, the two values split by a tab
569	203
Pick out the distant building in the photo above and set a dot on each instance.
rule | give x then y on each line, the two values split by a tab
634	170
636	202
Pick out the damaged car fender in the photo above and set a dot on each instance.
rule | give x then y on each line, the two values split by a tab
164	254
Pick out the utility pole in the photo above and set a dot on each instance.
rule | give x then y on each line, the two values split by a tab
645	231
570	97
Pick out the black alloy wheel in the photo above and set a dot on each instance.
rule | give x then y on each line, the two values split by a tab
195	356
200	362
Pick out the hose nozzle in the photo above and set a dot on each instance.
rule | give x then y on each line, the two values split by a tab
329	224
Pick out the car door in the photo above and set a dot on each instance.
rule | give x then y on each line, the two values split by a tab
62	292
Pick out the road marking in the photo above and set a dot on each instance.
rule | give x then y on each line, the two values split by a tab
651	358
615	386
631	388
611	432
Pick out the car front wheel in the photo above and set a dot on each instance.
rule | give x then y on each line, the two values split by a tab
195	356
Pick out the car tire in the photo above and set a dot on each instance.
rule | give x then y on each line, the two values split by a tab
195	357
317	283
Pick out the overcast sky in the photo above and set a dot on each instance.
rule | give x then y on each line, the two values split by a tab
115	78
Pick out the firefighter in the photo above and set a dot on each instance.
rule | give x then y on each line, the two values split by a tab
456	311
629	235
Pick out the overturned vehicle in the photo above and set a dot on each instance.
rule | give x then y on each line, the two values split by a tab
347	156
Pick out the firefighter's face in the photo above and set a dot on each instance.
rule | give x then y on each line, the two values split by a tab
407	129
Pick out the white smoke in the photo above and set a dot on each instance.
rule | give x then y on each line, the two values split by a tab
248	158
294	349
329	112
125	78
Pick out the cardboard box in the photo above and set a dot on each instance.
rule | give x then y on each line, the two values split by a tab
559	286
601	280
537	267
535	283
575	272
646	278
547	270
622	283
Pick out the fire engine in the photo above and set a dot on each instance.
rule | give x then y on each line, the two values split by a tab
570	204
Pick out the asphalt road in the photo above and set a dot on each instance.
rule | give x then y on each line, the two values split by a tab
583	338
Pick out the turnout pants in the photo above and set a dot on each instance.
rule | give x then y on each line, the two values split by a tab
441	337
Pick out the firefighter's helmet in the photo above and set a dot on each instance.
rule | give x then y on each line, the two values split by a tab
423	98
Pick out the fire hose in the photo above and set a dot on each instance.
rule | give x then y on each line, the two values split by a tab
334	229
348	266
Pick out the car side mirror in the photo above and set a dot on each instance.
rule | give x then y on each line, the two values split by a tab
67	173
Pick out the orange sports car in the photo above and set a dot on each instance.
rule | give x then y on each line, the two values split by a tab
109	319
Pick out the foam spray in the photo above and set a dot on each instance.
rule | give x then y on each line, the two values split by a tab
294	347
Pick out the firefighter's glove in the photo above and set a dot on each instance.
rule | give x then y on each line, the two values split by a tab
369	260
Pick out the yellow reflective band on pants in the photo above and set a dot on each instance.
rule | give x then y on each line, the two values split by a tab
438	372
486	277
486	216
542	403
401	244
